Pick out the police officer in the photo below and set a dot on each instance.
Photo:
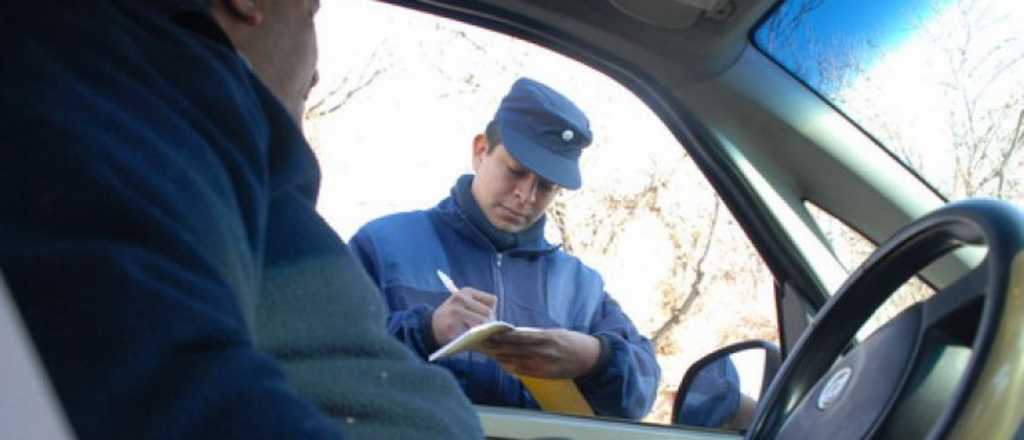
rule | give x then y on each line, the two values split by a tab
488	234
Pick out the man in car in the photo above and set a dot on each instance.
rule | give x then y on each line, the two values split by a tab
488	235
159	234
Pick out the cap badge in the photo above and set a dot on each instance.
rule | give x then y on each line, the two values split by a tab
567	135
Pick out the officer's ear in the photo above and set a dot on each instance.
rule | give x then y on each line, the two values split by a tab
479	151
249	12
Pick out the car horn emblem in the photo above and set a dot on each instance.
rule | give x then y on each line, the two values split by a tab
834	388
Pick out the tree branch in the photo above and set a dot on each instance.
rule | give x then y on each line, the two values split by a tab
314	111
677	313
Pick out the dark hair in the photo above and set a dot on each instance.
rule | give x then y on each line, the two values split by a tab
493	136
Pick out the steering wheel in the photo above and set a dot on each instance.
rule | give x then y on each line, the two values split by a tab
952	364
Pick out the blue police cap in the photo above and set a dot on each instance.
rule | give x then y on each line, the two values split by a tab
544	131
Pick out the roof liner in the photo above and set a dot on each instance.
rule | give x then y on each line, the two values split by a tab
686	44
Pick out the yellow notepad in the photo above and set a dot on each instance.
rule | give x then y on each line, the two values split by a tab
557	395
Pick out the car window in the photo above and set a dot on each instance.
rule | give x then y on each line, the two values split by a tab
392	122
852	249
938	83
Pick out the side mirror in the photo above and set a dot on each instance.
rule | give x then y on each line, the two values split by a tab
721	390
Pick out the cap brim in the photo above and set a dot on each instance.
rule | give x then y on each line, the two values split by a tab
560	170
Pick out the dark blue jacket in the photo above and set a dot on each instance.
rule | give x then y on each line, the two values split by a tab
537	285
158	233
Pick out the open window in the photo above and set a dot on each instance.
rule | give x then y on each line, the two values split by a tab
392	123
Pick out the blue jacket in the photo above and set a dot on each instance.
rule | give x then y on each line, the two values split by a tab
158	233
537	285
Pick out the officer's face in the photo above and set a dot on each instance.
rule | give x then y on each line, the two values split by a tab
512	197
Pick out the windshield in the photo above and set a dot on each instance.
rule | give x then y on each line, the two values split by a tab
939	83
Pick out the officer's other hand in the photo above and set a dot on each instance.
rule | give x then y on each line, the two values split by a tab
550	353
462	310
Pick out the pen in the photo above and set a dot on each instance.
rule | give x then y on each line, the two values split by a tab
448	284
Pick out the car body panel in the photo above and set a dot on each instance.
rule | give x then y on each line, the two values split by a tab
514	423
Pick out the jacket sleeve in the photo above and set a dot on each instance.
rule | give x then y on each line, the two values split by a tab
410	326
129	241
624	383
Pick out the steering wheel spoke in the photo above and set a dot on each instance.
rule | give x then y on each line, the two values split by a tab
955	309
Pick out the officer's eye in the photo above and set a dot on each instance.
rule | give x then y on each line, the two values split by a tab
518	172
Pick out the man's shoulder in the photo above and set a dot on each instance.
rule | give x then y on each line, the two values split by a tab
401	240
394	223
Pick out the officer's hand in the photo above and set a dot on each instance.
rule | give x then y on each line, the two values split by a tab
550	353
462	310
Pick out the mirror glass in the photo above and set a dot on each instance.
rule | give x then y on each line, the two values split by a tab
722	390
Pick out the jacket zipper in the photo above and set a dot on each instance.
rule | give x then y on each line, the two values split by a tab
499	287
500	291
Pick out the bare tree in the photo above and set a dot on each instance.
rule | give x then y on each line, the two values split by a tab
785	31
971	45
347	87
977	69
600	229
678	306
690	238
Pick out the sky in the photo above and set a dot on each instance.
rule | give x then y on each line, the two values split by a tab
903	88
864	29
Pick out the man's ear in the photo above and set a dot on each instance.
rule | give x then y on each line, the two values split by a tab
248	11
479	150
